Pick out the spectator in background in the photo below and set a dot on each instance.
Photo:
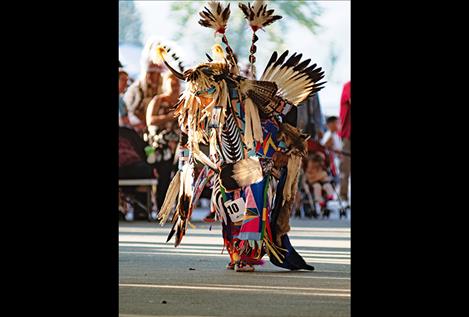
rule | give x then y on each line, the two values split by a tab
159	114
163	132
318	181
345	134
141	92
310	118
123	80
131	165
331	141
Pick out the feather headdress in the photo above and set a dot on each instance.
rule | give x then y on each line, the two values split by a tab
150	54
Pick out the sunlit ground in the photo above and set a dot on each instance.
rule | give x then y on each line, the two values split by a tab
193	281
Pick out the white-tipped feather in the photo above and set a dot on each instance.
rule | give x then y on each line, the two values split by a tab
257	15
215	16
188	179
170	199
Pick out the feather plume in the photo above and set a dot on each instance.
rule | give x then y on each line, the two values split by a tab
215	16
170	199
258	16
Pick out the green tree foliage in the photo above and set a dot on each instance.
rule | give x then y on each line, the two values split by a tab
130	24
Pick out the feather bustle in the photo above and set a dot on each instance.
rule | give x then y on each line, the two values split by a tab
294	79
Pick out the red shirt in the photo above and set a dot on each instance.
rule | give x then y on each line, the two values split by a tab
345	119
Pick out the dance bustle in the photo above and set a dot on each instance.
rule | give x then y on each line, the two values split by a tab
295	82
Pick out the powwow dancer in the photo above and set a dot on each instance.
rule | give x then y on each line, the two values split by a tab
254	153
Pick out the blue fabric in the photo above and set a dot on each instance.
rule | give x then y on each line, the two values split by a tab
258	193
292	260
122	107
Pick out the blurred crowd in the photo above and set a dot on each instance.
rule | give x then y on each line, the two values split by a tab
149	134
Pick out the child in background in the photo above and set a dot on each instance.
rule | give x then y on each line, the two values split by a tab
316	178
331	139
332	142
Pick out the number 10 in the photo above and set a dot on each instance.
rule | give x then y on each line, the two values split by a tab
232	209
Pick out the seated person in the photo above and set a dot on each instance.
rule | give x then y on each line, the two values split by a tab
332	142
131	165
316	178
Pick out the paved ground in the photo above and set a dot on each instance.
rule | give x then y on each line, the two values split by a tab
151	271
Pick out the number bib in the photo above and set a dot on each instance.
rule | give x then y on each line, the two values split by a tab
235	209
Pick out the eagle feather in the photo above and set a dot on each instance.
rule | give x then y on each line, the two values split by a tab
215	16
257	15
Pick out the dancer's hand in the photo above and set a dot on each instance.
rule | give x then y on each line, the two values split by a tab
280	159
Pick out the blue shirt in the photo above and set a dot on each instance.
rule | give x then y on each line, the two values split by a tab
122	107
